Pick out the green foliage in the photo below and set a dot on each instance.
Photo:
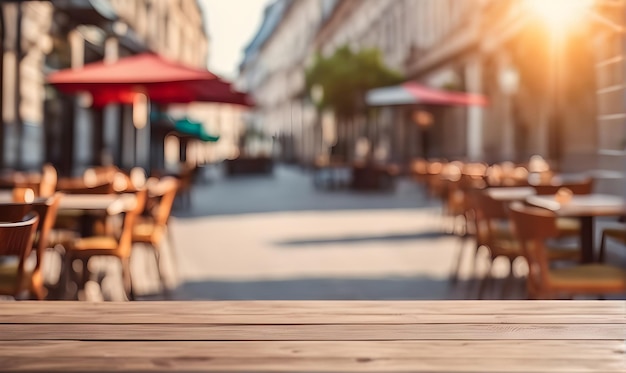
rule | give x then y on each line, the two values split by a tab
346	76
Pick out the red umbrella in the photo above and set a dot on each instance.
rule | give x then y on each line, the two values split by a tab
161	80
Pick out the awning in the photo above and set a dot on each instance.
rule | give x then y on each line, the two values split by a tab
163	81
194	129
412	93
183	127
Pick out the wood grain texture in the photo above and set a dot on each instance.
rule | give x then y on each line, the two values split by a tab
581	349
324	336
363	364
316	312
329	332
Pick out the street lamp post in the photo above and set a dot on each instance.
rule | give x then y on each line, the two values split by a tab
317	96
509	84
424	120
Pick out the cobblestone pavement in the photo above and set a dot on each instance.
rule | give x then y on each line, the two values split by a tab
277	237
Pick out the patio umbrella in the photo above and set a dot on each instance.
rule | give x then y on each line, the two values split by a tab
410	93
162	80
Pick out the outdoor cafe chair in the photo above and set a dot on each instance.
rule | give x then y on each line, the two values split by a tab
467	233
16	240
48	182
108	245
494	231
533	227
14	211
151	229
613	233
47	210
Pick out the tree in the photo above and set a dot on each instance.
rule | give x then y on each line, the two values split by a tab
345	77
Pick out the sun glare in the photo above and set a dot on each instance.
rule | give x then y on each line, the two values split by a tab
560	14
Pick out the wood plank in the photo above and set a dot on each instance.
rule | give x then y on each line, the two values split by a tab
431	364
558	349
353	332
316	312
311	318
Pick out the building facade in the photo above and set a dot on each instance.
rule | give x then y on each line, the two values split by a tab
403	30
559	95
41	124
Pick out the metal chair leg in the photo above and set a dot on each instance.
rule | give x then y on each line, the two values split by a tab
126	278
454	276
602	248
171	246
157	258
485	281
508	281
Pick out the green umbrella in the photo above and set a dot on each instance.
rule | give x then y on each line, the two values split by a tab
195	129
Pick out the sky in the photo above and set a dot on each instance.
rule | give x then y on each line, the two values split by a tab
231	25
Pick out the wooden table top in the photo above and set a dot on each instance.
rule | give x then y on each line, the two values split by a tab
510	193
582	205
88	201
321	336
110	203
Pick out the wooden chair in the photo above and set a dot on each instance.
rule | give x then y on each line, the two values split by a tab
533	226
16	240
470	182
494	231
454	196
616	234
14	211
48	183
150	230
85	248
47	211
137	177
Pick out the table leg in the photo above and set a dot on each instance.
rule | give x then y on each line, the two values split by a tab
586	239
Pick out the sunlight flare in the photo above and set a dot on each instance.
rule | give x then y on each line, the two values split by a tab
560	14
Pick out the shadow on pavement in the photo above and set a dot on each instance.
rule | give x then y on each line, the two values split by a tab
362	239
388	288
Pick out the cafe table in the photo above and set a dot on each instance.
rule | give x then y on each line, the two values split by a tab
89	203
584	207
96	203
510	194
314	336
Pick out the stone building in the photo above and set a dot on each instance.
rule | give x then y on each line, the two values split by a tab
400	29
42	124
273	70
562	99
